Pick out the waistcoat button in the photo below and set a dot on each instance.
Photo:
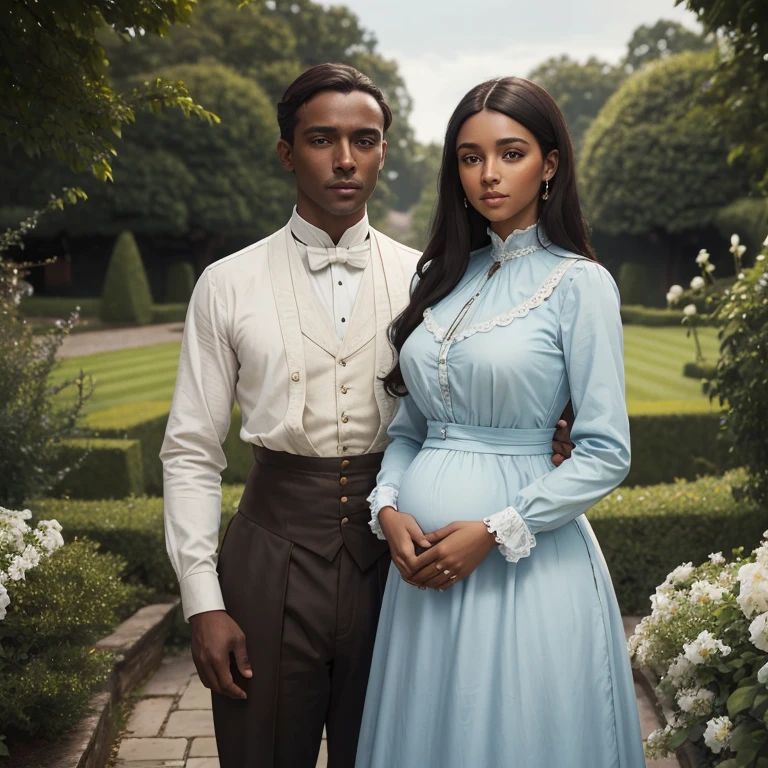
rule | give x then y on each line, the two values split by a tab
295	376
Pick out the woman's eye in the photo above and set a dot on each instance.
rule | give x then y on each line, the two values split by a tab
471	159
513	154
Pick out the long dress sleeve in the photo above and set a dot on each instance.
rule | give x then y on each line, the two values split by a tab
192	453
592	344
408	431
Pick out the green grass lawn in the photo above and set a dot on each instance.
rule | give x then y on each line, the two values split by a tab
654	365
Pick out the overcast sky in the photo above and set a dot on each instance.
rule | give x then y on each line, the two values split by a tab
444	47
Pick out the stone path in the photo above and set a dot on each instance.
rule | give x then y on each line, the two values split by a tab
172	726
91	342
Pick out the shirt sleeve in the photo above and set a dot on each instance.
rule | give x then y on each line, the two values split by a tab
592	343
408	432
192	454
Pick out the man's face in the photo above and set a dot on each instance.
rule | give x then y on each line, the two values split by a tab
337	153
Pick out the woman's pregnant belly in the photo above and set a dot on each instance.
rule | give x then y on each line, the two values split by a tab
442	487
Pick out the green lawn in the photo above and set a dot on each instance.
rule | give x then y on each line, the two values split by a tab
654	364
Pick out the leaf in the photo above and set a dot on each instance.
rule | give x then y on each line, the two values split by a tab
678	739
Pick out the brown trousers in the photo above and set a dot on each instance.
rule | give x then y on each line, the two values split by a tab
303	576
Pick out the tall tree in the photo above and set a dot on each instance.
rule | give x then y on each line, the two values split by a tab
648	168
55	96
661	40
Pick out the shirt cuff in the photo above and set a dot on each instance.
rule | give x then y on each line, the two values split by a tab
381	496
513	536
200	592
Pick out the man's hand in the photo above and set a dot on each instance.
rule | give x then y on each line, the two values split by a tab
214	636
457	550
402	532
562	447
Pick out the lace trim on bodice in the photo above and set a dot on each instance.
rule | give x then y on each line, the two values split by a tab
544	291
512	248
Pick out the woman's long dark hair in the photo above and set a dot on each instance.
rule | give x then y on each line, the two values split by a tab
456	230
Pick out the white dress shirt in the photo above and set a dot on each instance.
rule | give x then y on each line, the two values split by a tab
257	333
336	285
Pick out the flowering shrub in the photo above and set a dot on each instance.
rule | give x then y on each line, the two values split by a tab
706	640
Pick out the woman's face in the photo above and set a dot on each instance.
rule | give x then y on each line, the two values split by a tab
502	169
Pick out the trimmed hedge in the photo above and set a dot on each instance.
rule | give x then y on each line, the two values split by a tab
126	297
59	306
181	282
669	446
646	532
633	314
638	285
169	313
695	370
47	665
100	469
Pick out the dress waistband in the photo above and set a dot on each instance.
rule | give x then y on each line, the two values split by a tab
507	442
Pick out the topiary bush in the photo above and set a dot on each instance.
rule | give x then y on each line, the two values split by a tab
181	282
126	297
638	285
47	665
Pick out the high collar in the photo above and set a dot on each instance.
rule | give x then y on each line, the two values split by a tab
520	243
309	234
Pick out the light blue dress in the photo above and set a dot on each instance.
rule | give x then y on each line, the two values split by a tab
523	664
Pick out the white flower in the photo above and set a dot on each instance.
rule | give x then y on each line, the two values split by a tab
758	634
710	268
698	283
674	293
765	242
655	743
716	558
5	601
681	574
734	242
690	310
17	568
680	671
753	590
703	257
703	592
699	702
718	734
741	250
706	645
762	675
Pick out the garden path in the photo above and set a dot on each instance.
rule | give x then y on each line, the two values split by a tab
92	342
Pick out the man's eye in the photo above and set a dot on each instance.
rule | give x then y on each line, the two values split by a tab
367	142
320	140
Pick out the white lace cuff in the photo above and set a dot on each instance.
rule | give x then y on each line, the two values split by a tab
512	534
381	496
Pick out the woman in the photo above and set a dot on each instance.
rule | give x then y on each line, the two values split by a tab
513	657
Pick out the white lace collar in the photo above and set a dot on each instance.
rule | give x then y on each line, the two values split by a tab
520	243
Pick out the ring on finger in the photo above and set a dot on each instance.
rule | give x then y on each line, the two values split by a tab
438	566
454	577
447	572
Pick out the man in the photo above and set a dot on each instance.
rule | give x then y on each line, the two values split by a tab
294	329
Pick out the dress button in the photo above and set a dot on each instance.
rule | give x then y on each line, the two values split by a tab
345	463
344	520
344	390
441	361
344	448
344	499
343	481
295	376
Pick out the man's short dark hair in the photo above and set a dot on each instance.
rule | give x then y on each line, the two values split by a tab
325	77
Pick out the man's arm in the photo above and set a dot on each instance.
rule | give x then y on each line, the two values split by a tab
561	444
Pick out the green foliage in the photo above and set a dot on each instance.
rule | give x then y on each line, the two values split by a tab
580	90
632	314
181	282
736	102
646	532
100	469
638	286
47	666
660	41
646	165
126	296
749	218
32	420
668	446
131	528
169	313
742	373
701	370
56	306
55	94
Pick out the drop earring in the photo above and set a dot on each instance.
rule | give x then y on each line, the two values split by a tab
545	196
465	202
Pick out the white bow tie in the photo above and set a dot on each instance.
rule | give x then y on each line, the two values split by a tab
355	257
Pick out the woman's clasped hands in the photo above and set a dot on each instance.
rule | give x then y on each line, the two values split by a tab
450	553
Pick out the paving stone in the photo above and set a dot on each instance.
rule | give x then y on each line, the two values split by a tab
152	749
172	677
148	716
203	762
197	696
204	747
149	764
190	722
